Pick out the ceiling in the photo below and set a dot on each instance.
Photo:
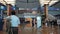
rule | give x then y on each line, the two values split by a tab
56	5
50	2
29	3
8	2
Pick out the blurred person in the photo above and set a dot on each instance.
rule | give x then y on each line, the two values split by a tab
14	22
39	25
1	23
33	22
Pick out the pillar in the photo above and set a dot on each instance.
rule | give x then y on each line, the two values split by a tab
46	11
9	9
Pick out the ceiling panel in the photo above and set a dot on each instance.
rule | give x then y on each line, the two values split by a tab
50	2
57	5
8	2
27	4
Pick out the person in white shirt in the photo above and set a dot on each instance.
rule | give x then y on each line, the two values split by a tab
15	22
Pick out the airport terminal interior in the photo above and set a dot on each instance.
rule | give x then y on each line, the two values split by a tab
35	16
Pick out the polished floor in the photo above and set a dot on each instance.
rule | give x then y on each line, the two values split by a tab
33	30
43	30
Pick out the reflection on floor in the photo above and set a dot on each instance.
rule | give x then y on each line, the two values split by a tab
43	30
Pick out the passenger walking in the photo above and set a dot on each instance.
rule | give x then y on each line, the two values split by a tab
15	23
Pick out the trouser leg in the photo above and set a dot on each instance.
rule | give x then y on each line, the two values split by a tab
15	30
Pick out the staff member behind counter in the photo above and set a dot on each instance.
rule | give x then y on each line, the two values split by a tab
15	22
